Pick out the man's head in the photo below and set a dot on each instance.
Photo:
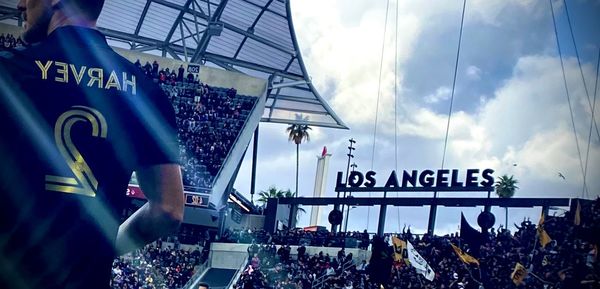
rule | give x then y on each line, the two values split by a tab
203	286
43	16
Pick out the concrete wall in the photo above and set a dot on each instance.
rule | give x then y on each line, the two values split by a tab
248	221
10	29
230	256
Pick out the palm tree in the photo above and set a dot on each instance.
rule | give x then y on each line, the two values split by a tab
298	133
505	188
273	192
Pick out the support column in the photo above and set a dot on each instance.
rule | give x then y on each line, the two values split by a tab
382	214
381	225
432	215
335	227
292	217
271	215
545	210
254	158
488	208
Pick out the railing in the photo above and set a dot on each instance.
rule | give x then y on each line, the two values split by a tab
237	275
199	271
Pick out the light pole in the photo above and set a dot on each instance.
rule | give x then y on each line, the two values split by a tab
350	156
353	166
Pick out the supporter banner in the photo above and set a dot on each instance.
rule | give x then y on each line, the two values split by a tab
542	235
518	274
419	263
399	249
466	258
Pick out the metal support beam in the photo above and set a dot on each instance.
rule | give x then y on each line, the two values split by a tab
254	159
177	21
206	36
249	65
262	11
432	216
142	17
417	202
381	223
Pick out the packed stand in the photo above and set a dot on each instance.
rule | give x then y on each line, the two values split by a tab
209	120
9	41
270	267
569	261
152	267
299	237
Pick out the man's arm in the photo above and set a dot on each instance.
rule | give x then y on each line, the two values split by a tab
163	212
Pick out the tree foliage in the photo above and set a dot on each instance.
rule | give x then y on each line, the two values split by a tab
506	186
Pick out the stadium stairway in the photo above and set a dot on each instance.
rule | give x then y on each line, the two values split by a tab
220	273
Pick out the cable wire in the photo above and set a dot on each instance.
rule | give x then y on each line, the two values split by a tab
396	106
580	69
387	8
562	66
587	154
462	20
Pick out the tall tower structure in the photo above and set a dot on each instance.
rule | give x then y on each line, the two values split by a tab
320	184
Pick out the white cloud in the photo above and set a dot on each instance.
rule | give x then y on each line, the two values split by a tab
521	117
441	94
473	72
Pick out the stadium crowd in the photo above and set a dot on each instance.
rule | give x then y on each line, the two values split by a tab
209	120
154	267
319	238
9	41
569	261
272	267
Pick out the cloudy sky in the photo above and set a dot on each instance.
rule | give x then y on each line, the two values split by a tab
510	105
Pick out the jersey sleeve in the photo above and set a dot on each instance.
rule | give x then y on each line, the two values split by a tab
154	127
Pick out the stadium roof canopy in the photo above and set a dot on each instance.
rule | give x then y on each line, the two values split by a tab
255	37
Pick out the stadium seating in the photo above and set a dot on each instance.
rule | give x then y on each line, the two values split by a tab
9	41
154	267
209	120
568	261
299	237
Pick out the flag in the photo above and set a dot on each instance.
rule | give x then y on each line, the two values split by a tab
466	258
542	235
518	274
399	249
469	235
419	263
577	220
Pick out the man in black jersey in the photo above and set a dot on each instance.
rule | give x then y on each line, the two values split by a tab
76	120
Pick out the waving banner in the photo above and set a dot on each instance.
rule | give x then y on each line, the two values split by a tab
419	263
